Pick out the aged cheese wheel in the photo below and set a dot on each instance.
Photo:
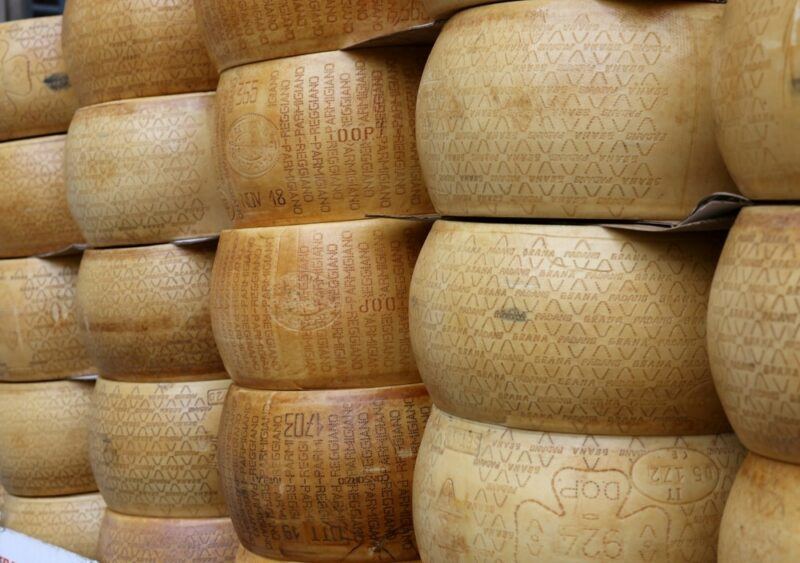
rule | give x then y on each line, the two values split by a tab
244	32
71	522
44	447
34	216
585	109
756	96
323	475
567	328
144	312
36	93
754	330
117	49
38	325
143	171
317	306
166	540
324	137
153	447
490	493
761	522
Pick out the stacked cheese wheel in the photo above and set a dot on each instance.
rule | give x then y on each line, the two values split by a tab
753	318
575	414
309	303
142	183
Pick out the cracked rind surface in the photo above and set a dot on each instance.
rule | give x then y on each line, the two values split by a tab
323	475
34	215
143	171
753	336
153	447
36	93
144	312
485	493
567	328
71	522
120	49
581	109
44	431
756	96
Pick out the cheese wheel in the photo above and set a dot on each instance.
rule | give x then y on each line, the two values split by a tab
144	312
567	328
323	475
325	137
489	493
44	448
71	522
580	109
34	216
143	171
38	323
761	522
117	49
238	33
153	447
753	330
755	94
317	306
166	540
36	97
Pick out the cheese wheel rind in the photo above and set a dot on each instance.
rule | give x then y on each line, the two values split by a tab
34	215
317	306
753	334
247	32
169	470
37	95
567	328
323	475
143	171
38	322
559	497
71	522
323	137
761	521
755	77
44	448
144	312
438	8
120	49
164	540
584	109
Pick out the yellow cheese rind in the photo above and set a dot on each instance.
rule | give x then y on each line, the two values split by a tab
144	312
38	322
37	95
119	49
170	470
567	328
439	8
244	556
753	337
761	522
44	448
580	109
251	31
34	215
71	522
323	475
756	96
323	137
319	306
143	171
489	493
166	540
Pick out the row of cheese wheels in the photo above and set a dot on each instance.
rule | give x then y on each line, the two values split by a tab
300	140
563	328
